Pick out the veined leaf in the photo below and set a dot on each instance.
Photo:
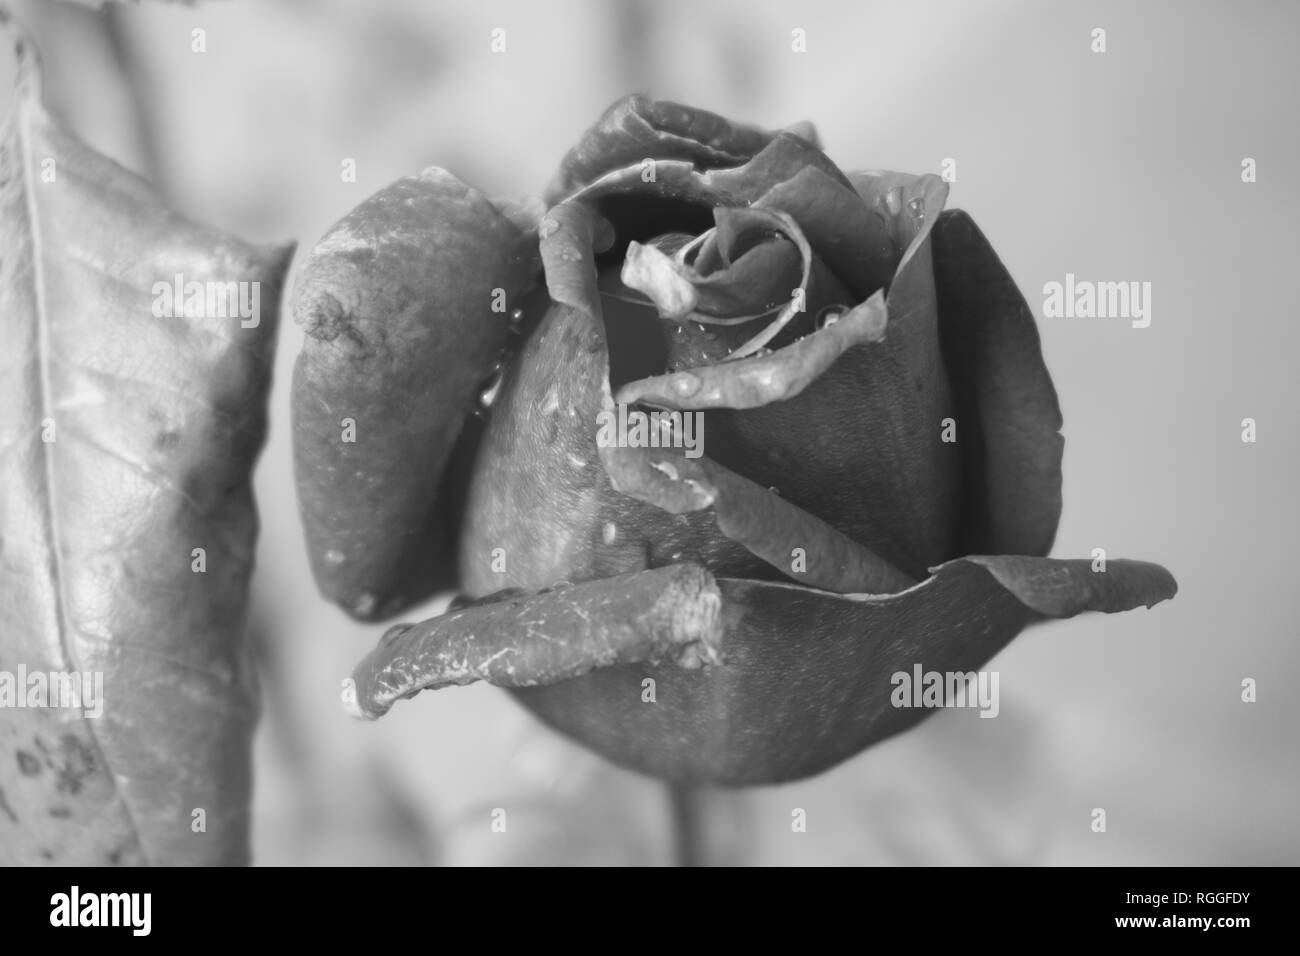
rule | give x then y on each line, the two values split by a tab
130	419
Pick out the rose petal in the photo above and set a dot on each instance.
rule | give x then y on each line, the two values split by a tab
540	507
757	381
854	242
637	128
890	482
779	161
1056	588
1008	418
788	538
759	280
525	639
807	678
397	302
904	203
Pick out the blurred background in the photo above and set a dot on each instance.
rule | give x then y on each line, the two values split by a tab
1122	165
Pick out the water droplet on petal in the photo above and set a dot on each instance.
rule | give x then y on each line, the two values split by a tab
829	316
893	200
492	389
684	383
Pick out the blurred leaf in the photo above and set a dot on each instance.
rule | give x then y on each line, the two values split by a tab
128	431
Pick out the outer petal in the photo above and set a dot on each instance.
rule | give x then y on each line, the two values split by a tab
397	302
1008	418
806	679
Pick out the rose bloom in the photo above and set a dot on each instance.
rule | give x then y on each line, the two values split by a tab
870	485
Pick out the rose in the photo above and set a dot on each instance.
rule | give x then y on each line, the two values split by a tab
880	478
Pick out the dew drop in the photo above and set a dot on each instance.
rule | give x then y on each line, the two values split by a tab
492	389
684	383
893	200
829	316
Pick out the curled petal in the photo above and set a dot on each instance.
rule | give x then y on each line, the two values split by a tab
905	205
784	158
524	639
1056	588
853	240
405	304
756	381
637	128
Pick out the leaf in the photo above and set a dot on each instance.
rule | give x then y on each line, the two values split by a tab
127	438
